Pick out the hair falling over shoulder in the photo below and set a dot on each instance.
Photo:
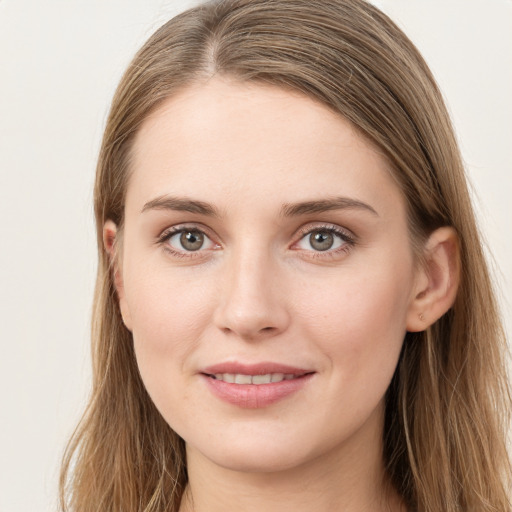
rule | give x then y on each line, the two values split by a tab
447	408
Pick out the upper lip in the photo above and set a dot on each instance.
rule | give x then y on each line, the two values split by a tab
262	368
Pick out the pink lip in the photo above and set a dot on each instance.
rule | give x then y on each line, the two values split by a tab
253	369
254	396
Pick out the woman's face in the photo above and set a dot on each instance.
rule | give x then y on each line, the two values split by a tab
266	243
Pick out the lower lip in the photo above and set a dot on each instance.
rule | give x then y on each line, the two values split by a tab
255	396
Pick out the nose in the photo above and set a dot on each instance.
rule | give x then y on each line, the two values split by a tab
252	302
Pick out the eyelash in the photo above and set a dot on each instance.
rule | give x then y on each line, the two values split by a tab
348	240
169	233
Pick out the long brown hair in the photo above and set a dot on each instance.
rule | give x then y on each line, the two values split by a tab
446	409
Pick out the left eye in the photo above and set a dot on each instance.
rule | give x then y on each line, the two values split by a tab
322	240
189	240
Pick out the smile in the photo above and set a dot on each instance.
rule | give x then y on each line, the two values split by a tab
240	378
255	386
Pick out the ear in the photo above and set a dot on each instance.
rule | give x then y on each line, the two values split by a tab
111	244
437	280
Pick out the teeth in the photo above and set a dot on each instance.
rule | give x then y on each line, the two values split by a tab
239	378
262	379
243	379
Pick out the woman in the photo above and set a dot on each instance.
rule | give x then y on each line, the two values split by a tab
293	311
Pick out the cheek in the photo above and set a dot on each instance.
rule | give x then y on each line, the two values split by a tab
168	320
168	324
358	320
163	302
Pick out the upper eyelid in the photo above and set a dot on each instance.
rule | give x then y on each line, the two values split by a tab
303	231
165	236
171	230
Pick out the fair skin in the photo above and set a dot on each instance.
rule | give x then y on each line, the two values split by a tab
230	255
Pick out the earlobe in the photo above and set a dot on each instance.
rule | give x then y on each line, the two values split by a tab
437	280
110	242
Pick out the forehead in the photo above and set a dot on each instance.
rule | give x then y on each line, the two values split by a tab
232	142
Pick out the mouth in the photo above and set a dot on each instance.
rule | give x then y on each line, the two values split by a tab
255	373
256	385
258	379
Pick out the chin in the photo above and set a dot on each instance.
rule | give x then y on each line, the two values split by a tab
265	456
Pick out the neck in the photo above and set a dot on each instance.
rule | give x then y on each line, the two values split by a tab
348	478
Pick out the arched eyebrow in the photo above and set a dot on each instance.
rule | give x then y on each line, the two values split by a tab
324	205
182	204
186	204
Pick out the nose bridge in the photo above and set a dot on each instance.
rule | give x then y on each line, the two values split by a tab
251	301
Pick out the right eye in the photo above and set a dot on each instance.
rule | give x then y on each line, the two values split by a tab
190	240
186	240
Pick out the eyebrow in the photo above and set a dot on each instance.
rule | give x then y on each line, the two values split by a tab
181	204
287	210
324	205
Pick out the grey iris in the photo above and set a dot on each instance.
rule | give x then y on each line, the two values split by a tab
321	240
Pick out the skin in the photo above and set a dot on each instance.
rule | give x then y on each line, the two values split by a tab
257	290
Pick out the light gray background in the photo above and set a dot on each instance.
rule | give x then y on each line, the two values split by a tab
59	64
